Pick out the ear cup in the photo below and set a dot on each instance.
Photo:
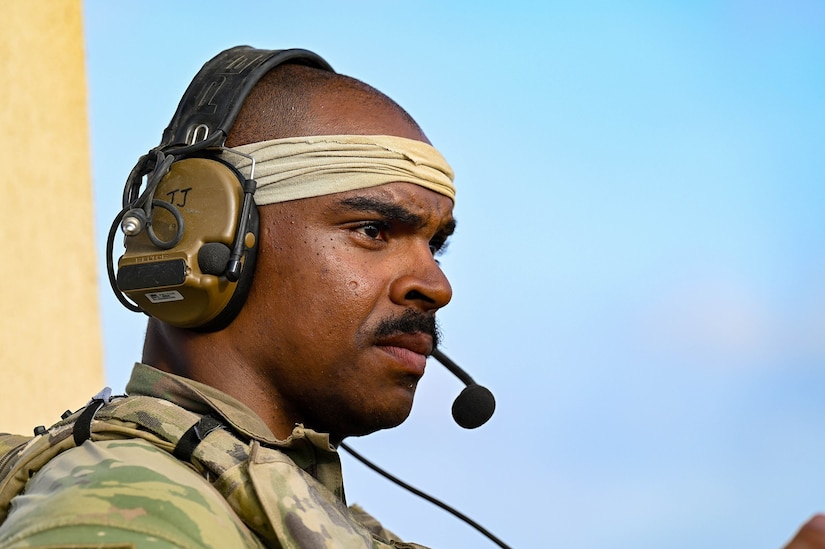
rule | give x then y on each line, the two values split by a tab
200	203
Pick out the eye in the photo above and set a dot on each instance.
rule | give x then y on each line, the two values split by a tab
373	230
438	245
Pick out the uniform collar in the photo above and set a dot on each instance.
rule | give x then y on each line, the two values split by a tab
308	449
203	399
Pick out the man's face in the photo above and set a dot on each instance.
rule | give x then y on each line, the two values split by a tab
340	316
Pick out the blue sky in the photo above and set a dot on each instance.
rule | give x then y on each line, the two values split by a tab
638	272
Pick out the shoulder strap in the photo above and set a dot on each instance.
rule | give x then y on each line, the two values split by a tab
163	424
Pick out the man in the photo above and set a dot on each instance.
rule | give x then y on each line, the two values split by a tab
330	342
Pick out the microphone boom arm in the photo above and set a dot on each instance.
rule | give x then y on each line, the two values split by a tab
453	367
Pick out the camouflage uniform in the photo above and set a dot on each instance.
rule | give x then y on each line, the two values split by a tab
241	487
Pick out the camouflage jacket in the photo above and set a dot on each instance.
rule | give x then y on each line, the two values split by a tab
132	483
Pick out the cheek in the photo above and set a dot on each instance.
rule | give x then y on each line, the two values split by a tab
344	273
321	285
315	279
365	279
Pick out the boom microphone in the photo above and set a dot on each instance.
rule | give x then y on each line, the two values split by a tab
476	404
471	409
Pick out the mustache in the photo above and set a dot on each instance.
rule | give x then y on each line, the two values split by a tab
410	322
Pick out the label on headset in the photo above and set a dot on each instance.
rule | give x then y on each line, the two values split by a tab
164	297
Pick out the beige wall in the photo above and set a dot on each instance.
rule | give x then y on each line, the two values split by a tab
50	343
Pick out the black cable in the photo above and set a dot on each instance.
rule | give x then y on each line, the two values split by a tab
110	267
419	493
134	199
175	240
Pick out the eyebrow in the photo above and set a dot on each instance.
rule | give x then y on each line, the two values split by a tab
393	211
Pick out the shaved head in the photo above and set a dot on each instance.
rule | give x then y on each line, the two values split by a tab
295	100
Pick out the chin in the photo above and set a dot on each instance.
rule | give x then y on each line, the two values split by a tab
377	421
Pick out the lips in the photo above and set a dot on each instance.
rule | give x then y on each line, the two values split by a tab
411	350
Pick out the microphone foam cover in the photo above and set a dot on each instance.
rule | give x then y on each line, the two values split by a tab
213	257
474	406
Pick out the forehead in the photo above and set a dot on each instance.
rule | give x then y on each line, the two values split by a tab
406	202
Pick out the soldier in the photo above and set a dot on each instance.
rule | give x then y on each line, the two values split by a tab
229	435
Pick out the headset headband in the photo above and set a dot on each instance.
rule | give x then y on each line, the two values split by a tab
210	106
216	94
202	121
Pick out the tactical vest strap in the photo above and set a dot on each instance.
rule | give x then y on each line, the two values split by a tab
193	436
82	430
147	418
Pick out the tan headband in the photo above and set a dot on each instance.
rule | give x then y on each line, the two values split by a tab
303	167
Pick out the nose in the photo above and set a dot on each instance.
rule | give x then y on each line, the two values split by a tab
422	284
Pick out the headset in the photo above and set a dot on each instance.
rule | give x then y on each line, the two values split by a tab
189	221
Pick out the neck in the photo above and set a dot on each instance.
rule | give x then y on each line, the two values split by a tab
208	359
